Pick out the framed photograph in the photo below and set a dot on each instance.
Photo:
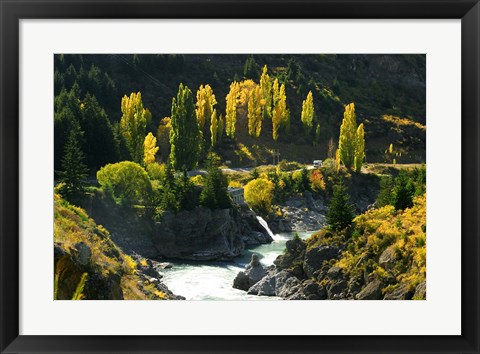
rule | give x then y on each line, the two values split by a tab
239	177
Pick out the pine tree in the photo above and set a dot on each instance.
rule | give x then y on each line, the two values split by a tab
150	149
74	171
133	124
348	137
184	135
403	192
204	109
308	113
214	194
340	212
186	192
255	112
231	109
359	148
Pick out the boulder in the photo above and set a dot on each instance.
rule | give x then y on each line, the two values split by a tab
241	282
315	257
337	289
402	292
265	287
313	290
388	258
286	284
83	253
295	250
252	274
421	291
335	273
373	291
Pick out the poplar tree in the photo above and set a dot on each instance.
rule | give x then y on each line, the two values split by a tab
359	148
206	102
214	127
184	135
266	89
231	109
351	143
255	112
308	113
280	113
348	136
133	124
150	149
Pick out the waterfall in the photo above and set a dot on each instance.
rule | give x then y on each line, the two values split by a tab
265	226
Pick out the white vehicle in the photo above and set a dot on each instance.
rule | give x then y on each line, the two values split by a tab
317	163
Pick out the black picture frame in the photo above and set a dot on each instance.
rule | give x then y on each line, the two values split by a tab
12	11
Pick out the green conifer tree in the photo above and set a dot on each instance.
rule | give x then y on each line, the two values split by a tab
403	192
74	171
184	135
340	212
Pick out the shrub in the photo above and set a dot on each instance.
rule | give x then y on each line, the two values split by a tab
317	183
285	165
259	195
301	180
197	180
127	181
156	171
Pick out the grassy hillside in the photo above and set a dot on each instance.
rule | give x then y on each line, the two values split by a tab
89	265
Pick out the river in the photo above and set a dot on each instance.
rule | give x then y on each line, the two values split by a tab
213	280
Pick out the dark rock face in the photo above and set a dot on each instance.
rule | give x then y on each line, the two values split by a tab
373	291
400	293
204	234
315	257
421	291
253	273
295	251
252	231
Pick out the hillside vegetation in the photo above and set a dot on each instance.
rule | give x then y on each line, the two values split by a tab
89	265
388	92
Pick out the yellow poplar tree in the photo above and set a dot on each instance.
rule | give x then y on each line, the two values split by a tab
308	113
348	136
150	149
206	102
231	109
255	112
266	88
359	148
133	124
280	114
216	128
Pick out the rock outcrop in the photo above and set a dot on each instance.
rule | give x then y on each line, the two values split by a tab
204	234
308	272
252	274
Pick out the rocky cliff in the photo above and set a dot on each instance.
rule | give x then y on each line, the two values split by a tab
204	234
